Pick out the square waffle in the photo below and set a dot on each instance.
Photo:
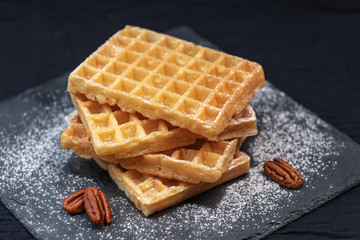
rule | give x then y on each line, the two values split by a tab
127	134
151	194
130	134
159	76
203	161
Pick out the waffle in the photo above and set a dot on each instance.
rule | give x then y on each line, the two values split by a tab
163	77
151	194
203	161
130	134
241	125
75	137
127	134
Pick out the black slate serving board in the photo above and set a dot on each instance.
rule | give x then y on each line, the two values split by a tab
36	174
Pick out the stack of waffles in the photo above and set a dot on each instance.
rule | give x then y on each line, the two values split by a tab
163	116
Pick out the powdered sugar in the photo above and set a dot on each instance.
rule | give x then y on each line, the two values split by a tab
36	175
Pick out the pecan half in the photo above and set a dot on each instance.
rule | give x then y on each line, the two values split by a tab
105	203
74	204
97	207
283	173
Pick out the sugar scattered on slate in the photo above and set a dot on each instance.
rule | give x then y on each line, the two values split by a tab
37	175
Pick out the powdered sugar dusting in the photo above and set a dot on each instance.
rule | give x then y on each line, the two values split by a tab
37	175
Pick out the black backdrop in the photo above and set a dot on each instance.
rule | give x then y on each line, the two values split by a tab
309	49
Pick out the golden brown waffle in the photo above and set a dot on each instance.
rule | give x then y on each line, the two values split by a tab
159	76
240	125
151	194
127	134
130	134
203	161
75	137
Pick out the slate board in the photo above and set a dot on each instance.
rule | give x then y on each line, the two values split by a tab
36	174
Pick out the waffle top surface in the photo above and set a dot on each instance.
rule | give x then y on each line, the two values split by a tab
164	77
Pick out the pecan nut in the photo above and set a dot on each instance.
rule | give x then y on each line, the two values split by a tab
105	203
283	173
74	204
97	207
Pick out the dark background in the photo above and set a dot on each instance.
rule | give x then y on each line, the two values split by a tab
309	49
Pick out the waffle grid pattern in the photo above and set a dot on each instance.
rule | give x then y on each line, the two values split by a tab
175	77
124	134
114	131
